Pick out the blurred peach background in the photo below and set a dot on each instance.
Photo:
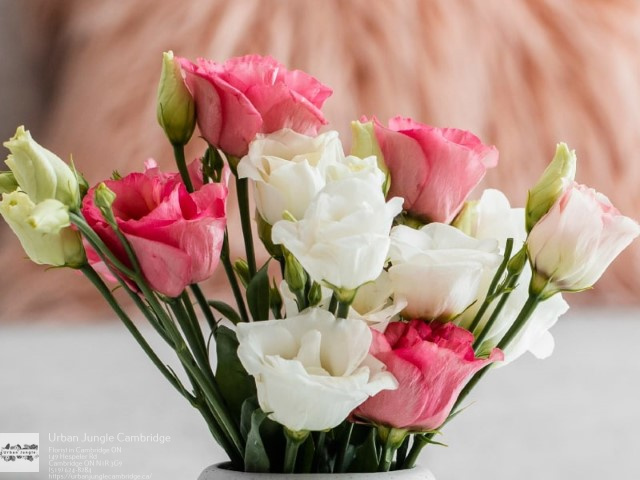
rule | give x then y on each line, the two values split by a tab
523	75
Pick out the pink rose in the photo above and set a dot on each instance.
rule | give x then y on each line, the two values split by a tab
433	169
176	236
249	95
432	363
572	245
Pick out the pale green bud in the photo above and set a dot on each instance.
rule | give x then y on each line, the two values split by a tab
315	294
467	220
40	173
176	109
241	267
8	182
517	262
556	178
43	229
104	198
294	274
366	144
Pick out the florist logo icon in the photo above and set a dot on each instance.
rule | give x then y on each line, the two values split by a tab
19	452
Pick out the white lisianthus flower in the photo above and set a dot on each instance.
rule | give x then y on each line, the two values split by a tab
43	229
342	240
288	169
438	269
311	370
41	174
492	217
376	303
574	243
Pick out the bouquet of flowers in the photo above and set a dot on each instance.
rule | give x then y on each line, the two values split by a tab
386	295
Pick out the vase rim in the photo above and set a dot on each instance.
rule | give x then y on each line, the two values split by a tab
417	472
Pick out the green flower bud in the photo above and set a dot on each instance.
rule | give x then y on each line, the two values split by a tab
43	229
294	274
8	182
315	294
552	184
366	144
241	267
517	262
264	232
176	108
40	173
104	198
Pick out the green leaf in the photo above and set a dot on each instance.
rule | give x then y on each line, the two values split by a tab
270	433
248	407
365	457
236	385
226	310
255	456
275	301
258	294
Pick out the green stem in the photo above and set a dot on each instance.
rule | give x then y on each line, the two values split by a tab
95	279
528	308
294	440
392	438
401	454
333	304
386	459
94	239
511	283
233	281
242	187
204	306
228	439
195	341
494	284
419	442
342	453
210	391
343	310
101	249
178	153
319	451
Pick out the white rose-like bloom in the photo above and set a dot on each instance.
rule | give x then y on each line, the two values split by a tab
438	269
43	229
311	370
39	172
288	169
574	243
493	218
343	238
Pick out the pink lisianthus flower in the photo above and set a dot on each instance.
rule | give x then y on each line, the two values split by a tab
572	245
432	363
248	95
176	236
433	169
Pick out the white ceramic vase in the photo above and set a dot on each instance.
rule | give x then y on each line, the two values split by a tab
218	472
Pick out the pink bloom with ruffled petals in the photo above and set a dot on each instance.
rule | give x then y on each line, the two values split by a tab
433	169
432	362
176	236
248	95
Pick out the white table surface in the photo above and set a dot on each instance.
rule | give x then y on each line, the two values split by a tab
575	415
